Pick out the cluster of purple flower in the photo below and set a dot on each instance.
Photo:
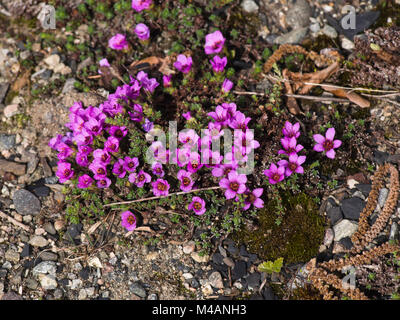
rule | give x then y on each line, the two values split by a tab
290	149
93	145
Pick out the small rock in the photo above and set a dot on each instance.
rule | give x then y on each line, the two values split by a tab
329	31
59	225
48	256
215	279
194	283
138	290
26	202
31	283
7	141
383	193
217	258
47	281
26	251
27	219
187	275
189	247
253	280
207	290
239	270
68	85
76	284
3	90
45	267
298	16
11	296
201	259
314	28
334	214
82	294
293	37
90	291
16	168
52	61
249	6
352	208
12	256
222	251
58	294
364	188
344	228
95	262
328	238
347	44
38	241
152	296
49	228
11	110
394	231
229	262
346	243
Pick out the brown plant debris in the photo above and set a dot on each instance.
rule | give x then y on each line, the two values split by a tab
322	276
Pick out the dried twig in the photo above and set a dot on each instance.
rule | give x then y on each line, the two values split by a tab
15	222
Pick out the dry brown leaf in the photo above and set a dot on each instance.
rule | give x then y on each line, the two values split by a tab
352	96
21	81
291	102
320	76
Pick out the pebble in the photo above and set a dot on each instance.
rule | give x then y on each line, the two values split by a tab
383	193
207	290
90	291
3	90
27	219
45	267
229	262
298	16
76	284
52	61
95	262
249	6
189	247
201	259
7	141
334	214
68	85
49	256
293	37
49	228
152	296
215	279
47	281
9	166
138	290
347	44
394	231
12	256
26	202
58	294
328	238
38	241
187	276
59	225
31	283
329	31
11	110
82	294
314	28
253	280
344	228
352	208
239	270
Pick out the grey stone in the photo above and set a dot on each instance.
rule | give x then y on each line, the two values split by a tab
328	238
47	281
82	294
215	279
26	202
394	232
7	141
3	90
138	290
58	294
48	256
352	208
45	267
50	228
314	28
298	16
152	296
38	241
12	256
329	31
31	283
383	193
253	280
68	85
334	214
293	37
249	6
229	262
76	284
344	228
239	270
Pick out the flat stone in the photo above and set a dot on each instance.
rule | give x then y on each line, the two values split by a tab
68	85
45	267
328	238
217	258
82	294
138	290
3	90
394	231
38	241
239	271
346	243
26	202
253	280
11	296
352	208
50	228
52	61
7	141
26	250
31	283
249	6
18	169
344	228
198	258
12	256
364	188
76	284
48	256
189	247
229	262
47	281
383	194
215	279
329	31
334	214
11	110
293	37
298	15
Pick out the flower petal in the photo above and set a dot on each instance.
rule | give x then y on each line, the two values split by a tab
331	154
320	139
330	133
337	143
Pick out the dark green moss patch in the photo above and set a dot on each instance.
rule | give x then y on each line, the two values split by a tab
296	239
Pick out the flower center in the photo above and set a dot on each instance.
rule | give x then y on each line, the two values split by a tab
197	205
293	166
103	182
118	133
328	145
186	181
276	177
131	220
251	198
161	187
234	186
141	177
100	171
67	172
195	165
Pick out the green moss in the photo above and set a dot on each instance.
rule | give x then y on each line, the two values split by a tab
321	42
296	239
307	293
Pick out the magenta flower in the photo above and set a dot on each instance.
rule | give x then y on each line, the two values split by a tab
94	126
194	164
291	130
220	115
239	121
244	141
64	171
186	180
218	64
167	81
137	114
128	220
82	159
214	42
139	178
84	181
64	151
149	84
293	165
183	63
188	137
147	125
85	150
111	145
99	170
327	144
160	187
139	5
130	164
290	146
275	174
187	115
227	85
224	169
103	183
198	205
119	168
85	137
158	169
103	63
234	184
101	156
142	31
253	198
118	132
118	42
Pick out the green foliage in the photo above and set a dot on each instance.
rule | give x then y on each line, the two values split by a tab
271	266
